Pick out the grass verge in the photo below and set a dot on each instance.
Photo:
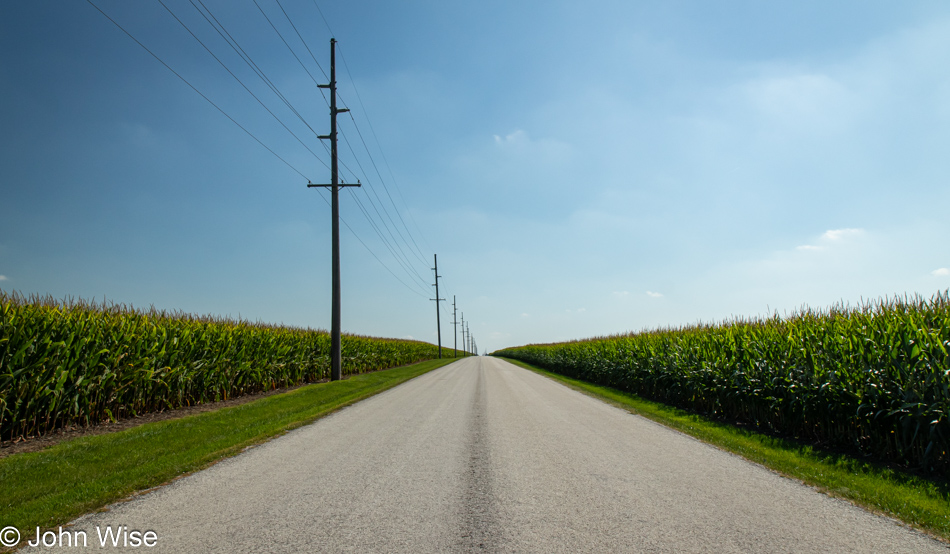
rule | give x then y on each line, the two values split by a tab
53	486
922	503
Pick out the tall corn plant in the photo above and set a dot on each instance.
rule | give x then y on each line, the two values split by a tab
78	363
875	379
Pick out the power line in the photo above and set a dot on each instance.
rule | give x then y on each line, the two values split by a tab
325	22
121	28
417	252
301	38
385	242
360	165
236	78
386	188
312	78
249	133
366	147
299	61
375	136
233	43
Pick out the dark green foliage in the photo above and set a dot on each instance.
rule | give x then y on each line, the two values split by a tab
80	363
875	379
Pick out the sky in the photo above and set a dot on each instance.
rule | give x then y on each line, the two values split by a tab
580	168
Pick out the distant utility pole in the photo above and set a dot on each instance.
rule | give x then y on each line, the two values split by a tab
335	357
463	331
468	345
455	329
438	324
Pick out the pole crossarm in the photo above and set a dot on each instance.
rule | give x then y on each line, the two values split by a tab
357	184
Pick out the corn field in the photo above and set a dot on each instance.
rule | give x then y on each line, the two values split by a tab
875	379
78	363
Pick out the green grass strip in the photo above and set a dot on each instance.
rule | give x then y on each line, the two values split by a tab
53	486
922	503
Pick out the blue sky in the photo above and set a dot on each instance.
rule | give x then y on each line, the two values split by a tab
580	168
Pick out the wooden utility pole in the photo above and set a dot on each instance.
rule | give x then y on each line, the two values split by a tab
438	324
335	349
455	329
463	331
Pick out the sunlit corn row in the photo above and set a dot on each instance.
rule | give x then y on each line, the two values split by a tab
77	363
873	379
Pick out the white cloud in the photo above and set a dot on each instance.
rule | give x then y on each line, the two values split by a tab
525	315
621	293
841	234
652	294
3	277
942	272
518	136
831	238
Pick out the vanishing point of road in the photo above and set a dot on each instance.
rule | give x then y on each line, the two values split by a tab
483	456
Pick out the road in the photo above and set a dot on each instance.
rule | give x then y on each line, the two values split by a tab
483	456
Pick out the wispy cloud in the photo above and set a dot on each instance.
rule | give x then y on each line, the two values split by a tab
652	294
525	314
3	277
621	293
517	136
942	272
830	238
840	234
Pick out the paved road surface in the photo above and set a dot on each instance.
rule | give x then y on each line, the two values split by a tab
482	456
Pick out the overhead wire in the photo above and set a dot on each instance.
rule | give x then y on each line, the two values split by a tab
238	79
243	54
418	251
365	212
314	58
401	256
359	99
372	130
375	228
239	125
394	245
233	43
274	27
161	61
360	165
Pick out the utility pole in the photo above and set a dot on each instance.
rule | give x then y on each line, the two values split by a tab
335	354
468	343
463	331
455	329
438	324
